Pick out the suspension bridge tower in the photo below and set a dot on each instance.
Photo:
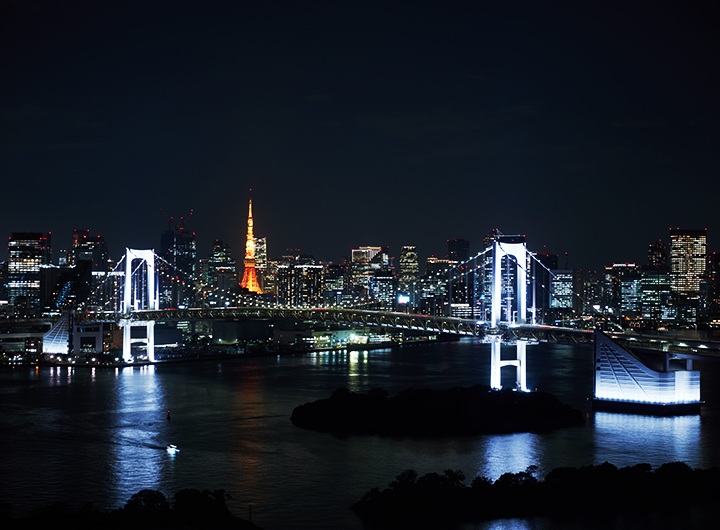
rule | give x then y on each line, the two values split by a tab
249	280
514	248
140	292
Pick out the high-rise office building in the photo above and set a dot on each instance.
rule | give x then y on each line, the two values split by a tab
176	281
261	261
27	252
437	266
709	306
88	248
299	284
566	288
364	261
688	259
655	293
335	279
383	285
658	254
458	250
409	268
539	289
491	236
612	300
221	276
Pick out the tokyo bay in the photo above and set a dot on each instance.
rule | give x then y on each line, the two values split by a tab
78	435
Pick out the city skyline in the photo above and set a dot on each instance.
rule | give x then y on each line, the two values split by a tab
590	129
395	254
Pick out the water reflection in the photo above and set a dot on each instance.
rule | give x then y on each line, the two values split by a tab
358	373
60	375
508	453
628	439
139	431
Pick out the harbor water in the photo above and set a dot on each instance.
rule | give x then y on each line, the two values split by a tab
78	435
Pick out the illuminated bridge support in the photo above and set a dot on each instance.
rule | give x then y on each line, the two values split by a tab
509	246
496	364
148	301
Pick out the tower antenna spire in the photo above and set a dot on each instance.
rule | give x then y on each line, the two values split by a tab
249	280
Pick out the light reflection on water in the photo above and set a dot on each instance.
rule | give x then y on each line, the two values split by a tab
139	433
628	439
103	433
508	453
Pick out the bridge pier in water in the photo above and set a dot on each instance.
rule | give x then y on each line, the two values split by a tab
134	300
148	340
497	362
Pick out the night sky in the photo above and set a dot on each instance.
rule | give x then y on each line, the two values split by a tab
591	127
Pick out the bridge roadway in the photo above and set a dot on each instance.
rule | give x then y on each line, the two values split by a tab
683	348
678	347
356	317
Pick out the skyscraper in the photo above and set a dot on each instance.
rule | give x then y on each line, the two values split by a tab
249	280
261	261
221	276
458	250
178	249
27	252
658	253
409	268
89	248
688	259
299	284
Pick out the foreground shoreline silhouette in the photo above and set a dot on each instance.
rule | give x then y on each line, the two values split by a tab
599	493
146	509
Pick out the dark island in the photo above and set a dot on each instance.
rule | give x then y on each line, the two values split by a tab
146	509
672	496
455	412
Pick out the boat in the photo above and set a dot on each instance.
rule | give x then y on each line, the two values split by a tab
172	449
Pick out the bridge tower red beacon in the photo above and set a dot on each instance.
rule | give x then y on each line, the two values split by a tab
249	280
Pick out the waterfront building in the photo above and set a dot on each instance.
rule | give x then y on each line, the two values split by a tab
249	280
27	253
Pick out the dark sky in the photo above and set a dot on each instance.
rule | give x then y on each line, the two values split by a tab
591	127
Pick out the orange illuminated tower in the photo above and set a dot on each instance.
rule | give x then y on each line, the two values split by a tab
249	280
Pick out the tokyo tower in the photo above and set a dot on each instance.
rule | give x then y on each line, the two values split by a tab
249	280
